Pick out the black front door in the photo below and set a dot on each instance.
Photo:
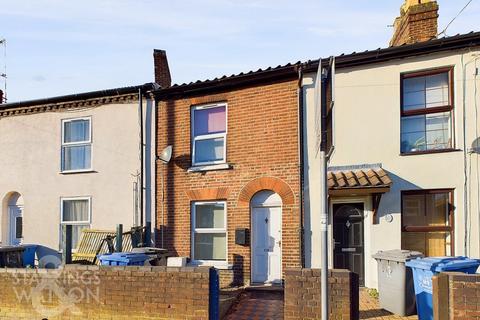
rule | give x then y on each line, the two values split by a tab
348	238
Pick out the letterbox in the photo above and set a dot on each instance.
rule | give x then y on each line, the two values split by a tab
242	236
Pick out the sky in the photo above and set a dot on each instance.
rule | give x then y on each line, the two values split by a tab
62	47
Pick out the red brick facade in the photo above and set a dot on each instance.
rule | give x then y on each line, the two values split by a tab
262	149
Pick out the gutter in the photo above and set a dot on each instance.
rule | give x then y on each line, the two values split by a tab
406	51
81	96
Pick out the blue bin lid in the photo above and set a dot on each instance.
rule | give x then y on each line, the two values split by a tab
440	264
29	246
124	257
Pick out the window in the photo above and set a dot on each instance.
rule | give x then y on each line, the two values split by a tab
18	227
76	212
209	134
427	222
427	111
209	233
76	144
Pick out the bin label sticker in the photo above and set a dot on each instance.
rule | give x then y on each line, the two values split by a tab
425	282
388	271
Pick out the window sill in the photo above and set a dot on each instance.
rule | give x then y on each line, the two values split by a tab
210	167
428	152
77	171
427	229
221	265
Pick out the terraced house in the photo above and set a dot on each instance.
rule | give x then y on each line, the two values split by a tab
404	170
76	160
231	195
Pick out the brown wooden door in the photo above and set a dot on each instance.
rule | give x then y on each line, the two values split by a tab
348	238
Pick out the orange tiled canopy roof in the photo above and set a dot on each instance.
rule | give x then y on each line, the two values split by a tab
353	179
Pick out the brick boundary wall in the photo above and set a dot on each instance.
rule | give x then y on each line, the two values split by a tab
226	278
303	294
103	292
456	296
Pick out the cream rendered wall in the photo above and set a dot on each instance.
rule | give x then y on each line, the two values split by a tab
367	131
30	160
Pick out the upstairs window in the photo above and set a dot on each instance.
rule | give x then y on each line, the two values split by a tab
76	144
427	111
209	134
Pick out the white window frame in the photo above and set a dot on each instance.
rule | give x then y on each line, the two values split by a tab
209	136
89	221
76	223
208	230
76	143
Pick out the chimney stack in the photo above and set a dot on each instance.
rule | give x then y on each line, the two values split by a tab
418	22
162	71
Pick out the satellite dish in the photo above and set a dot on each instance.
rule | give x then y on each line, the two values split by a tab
475	148
166	155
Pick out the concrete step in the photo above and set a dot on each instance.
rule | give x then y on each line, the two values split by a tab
264	287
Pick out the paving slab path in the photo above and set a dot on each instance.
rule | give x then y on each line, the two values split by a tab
268	305
258	305
370	309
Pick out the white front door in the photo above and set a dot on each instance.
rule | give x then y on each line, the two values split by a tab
16	224
266	244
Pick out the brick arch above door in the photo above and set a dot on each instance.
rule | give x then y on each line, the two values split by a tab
266	183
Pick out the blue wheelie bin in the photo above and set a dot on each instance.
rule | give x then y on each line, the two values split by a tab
29	255
424	269
123	259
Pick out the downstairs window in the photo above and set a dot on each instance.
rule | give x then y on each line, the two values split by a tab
427	222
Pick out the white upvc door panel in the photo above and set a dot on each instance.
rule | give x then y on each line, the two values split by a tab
267	252
275	245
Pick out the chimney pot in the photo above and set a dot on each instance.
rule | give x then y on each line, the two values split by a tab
162	71
418	22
